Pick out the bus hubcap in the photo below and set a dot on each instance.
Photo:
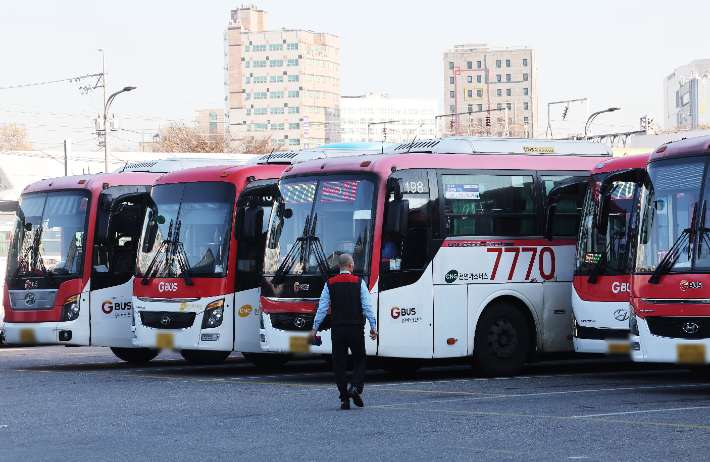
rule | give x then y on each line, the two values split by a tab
502	339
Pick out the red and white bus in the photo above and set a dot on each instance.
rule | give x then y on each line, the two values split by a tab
670	285
602	274
198	276
447	233
72	256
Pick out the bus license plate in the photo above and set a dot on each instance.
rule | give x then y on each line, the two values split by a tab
691	353
618	348
27	336
164	340
298	344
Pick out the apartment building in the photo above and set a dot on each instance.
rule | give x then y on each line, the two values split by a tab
479	79
391	120
210	120
285	83
685	97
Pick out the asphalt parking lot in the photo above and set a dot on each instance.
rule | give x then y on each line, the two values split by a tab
62	403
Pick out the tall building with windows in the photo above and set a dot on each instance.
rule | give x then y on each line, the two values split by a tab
210	119
388	119
479	78
284	82
685	97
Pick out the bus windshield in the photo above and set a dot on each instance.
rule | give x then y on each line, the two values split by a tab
187	231
337	210
49	234
591	245
672	208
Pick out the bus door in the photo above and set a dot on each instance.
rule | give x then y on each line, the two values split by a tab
116	237
405	317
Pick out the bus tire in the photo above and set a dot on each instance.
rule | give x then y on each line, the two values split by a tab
267	360
204	357
502	341
135	355
399	366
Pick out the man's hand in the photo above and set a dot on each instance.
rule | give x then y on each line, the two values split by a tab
373	334
312	336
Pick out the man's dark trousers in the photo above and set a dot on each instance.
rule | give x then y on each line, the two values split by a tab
346	336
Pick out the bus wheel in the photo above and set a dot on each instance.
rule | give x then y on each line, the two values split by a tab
135	355
502	341
267	359
399	366
203	357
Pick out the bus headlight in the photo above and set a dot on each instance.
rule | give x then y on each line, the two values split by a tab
633	323
214	313
70	311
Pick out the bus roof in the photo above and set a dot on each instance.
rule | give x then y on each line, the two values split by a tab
686	147
479	145
171	165
622	163
321	152
94	183
237	174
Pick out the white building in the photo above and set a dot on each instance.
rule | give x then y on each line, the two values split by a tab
403	119
685	97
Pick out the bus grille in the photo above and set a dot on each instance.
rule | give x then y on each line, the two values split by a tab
167	319
679	326
297	321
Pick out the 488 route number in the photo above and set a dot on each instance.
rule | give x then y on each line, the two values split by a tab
533	255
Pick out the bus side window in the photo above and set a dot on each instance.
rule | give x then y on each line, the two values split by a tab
569	208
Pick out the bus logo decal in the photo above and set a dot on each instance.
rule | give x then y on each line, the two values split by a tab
450	277
690	327
30	299
685	285
621	315
244	311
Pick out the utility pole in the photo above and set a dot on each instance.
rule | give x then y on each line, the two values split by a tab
67	152
103	57
549	126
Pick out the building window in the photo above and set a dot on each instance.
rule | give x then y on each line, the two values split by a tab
293	110
451	65
213	120
260	111
277	110
247	96
452	109
248	111
276	78
259	79
470	79
469	64
470	108
480	107
277	126
293	94
277	94
525	77
525	91
249	127
295	126
260	127
248	80
525	119
246	48
258	48
507	63
247	63
525	62
498	63
451	94
479	93
292	46
478	65
276	63
507	77
525	106
451	80
478	79
507	92
260	95
509	106
498	78
469	93
499	92
294	141
245	14
259	63
292	62
293	78
276	47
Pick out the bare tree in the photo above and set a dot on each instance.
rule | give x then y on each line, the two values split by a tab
258	145
178	137
14	137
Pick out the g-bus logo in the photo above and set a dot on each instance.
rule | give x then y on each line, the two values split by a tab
167	286
396	312
620	287
297	287
244	311
109	307
451	276
685	285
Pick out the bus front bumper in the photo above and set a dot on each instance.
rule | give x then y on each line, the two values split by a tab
45	333
647	347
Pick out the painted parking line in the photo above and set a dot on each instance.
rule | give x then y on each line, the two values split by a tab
548	417
643	412
524	453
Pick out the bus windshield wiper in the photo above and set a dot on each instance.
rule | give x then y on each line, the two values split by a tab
670	259
702	230
309	244
182	256
31	250
163	247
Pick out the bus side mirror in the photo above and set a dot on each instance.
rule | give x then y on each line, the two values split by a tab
397	217
631	175
151	235
550	222
249	223
554	197
395	186
603	216
103	228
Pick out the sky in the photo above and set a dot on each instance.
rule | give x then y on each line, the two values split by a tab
616	53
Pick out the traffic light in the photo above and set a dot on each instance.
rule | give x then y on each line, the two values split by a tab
488	121
384	132
451	124
564	114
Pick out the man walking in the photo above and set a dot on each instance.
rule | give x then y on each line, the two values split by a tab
348	298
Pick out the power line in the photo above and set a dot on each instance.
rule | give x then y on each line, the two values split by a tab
51	81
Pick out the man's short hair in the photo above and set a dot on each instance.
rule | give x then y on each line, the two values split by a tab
344	261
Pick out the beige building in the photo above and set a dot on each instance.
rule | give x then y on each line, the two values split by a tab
282	82
392	120
479	78
210	120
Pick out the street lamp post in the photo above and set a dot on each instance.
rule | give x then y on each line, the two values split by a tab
593	116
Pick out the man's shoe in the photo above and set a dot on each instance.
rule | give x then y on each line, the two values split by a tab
356	397
345	404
